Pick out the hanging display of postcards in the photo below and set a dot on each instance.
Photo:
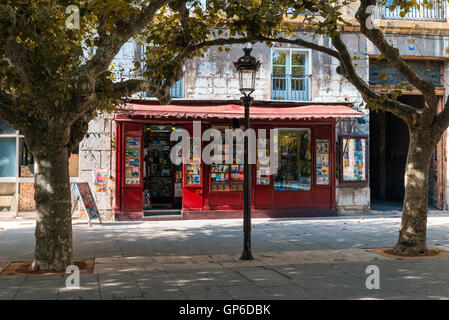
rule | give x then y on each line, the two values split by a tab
322	161
132	161
354	160
193	169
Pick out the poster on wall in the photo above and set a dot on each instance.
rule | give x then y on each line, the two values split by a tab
100	180
354	159
322	161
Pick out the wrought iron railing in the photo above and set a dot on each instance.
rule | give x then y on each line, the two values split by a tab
438	12
290	87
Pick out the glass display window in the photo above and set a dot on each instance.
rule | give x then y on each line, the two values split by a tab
193	170
7	157
16	171
26	160
294	163
354	159
263	170
227	177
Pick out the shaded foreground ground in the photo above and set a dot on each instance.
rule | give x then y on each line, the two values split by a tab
295	259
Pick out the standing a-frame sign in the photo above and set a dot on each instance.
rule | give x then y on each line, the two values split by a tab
87	200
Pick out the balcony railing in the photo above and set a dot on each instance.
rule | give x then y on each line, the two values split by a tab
290	88
420	13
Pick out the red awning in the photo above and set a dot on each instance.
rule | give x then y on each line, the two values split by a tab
229	111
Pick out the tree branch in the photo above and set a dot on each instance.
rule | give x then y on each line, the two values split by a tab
442	119
17	53
394	57
110	46
402	110
129	87
8	111
78	130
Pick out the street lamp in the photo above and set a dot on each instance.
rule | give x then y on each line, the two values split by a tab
247	67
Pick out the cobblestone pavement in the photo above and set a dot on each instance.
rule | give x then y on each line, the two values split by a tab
311	258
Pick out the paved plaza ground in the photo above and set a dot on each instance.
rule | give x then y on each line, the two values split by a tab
310	258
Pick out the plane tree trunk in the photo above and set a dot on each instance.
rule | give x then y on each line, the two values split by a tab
51	145
53	250
412	233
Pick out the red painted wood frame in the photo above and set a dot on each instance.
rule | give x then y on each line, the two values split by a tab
132	194
192	194
221	200
264	197
118	166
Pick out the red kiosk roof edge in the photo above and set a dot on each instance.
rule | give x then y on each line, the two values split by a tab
229	111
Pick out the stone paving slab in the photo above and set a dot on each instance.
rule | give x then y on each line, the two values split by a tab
316	258
346	280
136	264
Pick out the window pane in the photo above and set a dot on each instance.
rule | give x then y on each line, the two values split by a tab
5	128
279	84
74	162
74	165
219	176
297	84
26	160
354	162
7	192
298	71
177	91
8	157
298	59
279	58
263	168
278	71
26	197
193	170
294	167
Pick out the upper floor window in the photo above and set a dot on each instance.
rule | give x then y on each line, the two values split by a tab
430	70
418	13
290	74
177	91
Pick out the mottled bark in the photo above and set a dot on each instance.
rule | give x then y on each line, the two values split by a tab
412	234
53	250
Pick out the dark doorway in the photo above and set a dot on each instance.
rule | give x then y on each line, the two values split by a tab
389	140
162	179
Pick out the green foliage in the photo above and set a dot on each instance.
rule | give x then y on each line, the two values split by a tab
50	54
50	58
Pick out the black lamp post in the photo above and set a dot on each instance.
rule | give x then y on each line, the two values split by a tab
247	67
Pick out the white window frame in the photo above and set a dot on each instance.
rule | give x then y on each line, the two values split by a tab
17	179
308	71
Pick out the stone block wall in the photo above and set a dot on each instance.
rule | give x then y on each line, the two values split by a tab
353	201
214	76
96	152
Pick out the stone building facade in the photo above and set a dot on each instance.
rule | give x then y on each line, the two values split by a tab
214	78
